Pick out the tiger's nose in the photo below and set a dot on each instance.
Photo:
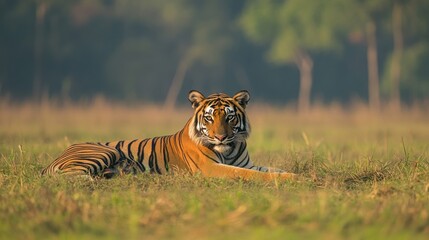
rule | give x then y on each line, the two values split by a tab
220	137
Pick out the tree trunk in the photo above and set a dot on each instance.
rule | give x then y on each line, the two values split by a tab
305	66
373	81
41	8
177	82
395	100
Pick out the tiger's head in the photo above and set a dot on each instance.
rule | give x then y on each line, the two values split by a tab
219	121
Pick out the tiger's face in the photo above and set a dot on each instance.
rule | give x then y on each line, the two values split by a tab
220	121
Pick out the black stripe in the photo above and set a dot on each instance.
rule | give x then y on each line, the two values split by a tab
214	160
118	147
236	150
139	151
113	159
219	156
142	145
94	162
246	158
155	155
196	121
141	166
106	161
180	134
196	165
211	102
239	153
130	153
151	157
165	152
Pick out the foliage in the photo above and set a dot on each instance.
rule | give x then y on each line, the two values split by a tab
291	25
415	70
131	49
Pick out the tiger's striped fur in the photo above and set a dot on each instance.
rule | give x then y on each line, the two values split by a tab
213	143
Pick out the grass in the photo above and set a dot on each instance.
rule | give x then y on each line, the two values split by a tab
363	177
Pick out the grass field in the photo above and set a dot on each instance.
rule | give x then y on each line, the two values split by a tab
363	176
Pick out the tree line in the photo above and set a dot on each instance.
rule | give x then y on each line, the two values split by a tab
281	50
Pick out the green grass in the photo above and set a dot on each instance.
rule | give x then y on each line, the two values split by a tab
363	177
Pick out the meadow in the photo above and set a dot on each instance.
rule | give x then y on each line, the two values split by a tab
362	176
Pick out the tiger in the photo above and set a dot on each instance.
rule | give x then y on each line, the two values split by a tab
212	143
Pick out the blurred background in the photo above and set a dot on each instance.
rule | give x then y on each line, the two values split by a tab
284	52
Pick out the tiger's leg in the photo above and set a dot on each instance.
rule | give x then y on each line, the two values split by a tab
121	167
266	169
249	165
227	171
110	172
82	159
240	158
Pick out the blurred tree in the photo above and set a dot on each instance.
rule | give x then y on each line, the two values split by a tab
415	56
293	29
414	65
17	22
41	9
168	36
79	39
370	11
207	43
409	27
398	46
151	36
364	16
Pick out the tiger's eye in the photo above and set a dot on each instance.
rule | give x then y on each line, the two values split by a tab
208	118
230	118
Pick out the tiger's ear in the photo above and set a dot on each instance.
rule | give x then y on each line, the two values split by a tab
242	97
195	98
